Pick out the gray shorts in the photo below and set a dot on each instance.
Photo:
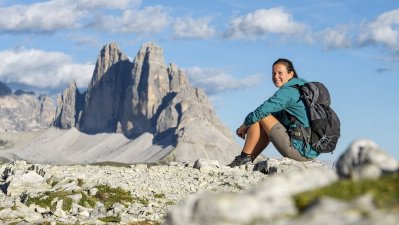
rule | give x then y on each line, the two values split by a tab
281	141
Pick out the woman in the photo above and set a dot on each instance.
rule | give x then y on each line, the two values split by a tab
281	115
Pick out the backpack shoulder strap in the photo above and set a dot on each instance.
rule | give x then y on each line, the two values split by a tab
296	86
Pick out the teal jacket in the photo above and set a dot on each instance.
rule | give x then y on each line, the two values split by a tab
286	98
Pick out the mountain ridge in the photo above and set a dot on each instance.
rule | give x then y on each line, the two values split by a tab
143	97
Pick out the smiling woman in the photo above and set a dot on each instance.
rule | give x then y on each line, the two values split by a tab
271	122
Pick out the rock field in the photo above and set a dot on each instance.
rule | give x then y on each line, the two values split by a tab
201	192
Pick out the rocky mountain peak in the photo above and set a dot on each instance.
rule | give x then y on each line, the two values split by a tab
150	80
109	55
146	100
69	107
177	78
105	94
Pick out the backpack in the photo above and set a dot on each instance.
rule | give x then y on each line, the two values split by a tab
324	122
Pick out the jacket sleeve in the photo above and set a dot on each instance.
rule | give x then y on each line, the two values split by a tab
279	101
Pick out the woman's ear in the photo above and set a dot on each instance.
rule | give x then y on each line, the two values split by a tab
291	74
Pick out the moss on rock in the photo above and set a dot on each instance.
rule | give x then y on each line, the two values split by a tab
384	191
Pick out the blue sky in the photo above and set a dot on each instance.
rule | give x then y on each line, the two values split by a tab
226	47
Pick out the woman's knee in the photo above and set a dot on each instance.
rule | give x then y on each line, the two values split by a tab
268	122
282	142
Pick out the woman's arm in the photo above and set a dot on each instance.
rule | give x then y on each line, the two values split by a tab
279	101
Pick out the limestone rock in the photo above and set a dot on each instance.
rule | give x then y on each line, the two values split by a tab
147	96
159	115
69	107
364	159
28	182
183	194
150	80
105	94
283	165
46	110
267	201
25	112
206	166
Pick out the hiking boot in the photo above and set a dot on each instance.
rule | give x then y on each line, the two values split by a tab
240	160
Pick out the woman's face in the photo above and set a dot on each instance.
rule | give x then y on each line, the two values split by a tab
280	75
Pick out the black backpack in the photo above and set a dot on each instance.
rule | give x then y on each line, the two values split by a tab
324	122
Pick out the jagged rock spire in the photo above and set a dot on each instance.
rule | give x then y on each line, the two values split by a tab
105	94
69	107
147	96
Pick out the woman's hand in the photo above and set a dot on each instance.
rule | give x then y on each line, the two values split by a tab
242	131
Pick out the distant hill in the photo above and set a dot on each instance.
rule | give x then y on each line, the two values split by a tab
24	111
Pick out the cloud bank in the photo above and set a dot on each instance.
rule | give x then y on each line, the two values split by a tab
42	69
262	22
189	28
214	80
383	30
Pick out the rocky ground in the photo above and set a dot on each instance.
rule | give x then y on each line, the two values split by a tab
183	193
154	188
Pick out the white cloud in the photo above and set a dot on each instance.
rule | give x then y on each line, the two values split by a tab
114	4
39	17
42	69
193	28
383	30
262	22
336	37
214	80
151	19
50	16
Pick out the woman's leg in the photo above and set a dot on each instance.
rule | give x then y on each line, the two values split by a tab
256	140
278	135
259	135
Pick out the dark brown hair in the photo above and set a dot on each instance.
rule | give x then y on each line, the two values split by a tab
288	64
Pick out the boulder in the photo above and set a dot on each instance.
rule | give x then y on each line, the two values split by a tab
267	201
30	182
276	166
364	159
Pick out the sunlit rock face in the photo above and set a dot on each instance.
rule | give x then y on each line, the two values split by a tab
147	96
25	112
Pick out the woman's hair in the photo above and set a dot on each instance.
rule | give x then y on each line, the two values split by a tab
288	64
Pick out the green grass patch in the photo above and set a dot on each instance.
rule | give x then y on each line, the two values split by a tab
110	219
145	222
87	201
108	195
3	142
170	203
384	191
109	163
142	201
80	182
45	200
159	195
105	194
